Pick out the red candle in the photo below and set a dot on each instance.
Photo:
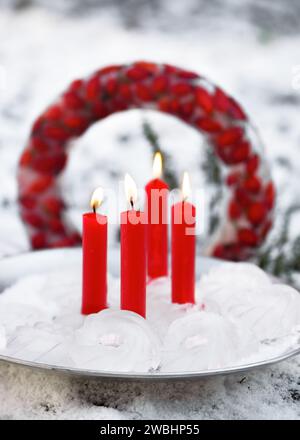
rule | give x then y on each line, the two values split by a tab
157	222
133	255
94	248
183	248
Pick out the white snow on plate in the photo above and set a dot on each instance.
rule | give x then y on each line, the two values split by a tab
241	316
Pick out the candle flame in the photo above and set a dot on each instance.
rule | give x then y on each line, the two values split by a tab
130	189
186	186
97	198
157	165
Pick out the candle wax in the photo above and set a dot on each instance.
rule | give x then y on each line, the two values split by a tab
183	253
94	252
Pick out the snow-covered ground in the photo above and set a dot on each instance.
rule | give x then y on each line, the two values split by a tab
40	53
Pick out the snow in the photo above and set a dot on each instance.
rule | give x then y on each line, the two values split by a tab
253	63
269	393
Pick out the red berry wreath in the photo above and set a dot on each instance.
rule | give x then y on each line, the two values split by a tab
166	88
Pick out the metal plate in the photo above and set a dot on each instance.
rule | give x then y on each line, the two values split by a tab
13	268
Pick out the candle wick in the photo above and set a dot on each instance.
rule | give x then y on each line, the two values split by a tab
94	209
131	203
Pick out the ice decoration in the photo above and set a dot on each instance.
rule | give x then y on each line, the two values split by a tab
241	316
233	275
204	341
160	311
245	294
114	340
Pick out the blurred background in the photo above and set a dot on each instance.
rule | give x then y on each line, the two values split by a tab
249	48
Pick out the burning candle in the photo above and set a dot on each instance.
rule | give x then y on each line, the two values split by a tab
94	249
157	222
133	254
183	247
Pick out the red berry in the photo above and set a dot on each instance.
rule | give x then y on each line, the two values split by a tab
39	144
56	225
181	88
111	86
148	66
72	240
137	73
229	136
109	69
38	241
252	184
186	109
99	110
242	196
56	132
225	154
26	158
204	99
234	252
125	91
234	210
51	161
164	104
40	184
77	123
247	237
209	125
180	73
186	74
52	205
53	113
218	251
143	92
93	89
38	124
171	70
27	202
252	164
118	105
159	84
241	152
236	111
174	106
33	219
256	213
76	86
72	101
221	101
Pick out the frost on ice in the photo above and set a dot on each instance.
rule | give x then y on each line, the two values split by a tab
244	293
115	340
204	341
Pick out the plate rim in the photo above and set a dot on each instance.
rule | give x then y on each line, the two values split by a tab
169	376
